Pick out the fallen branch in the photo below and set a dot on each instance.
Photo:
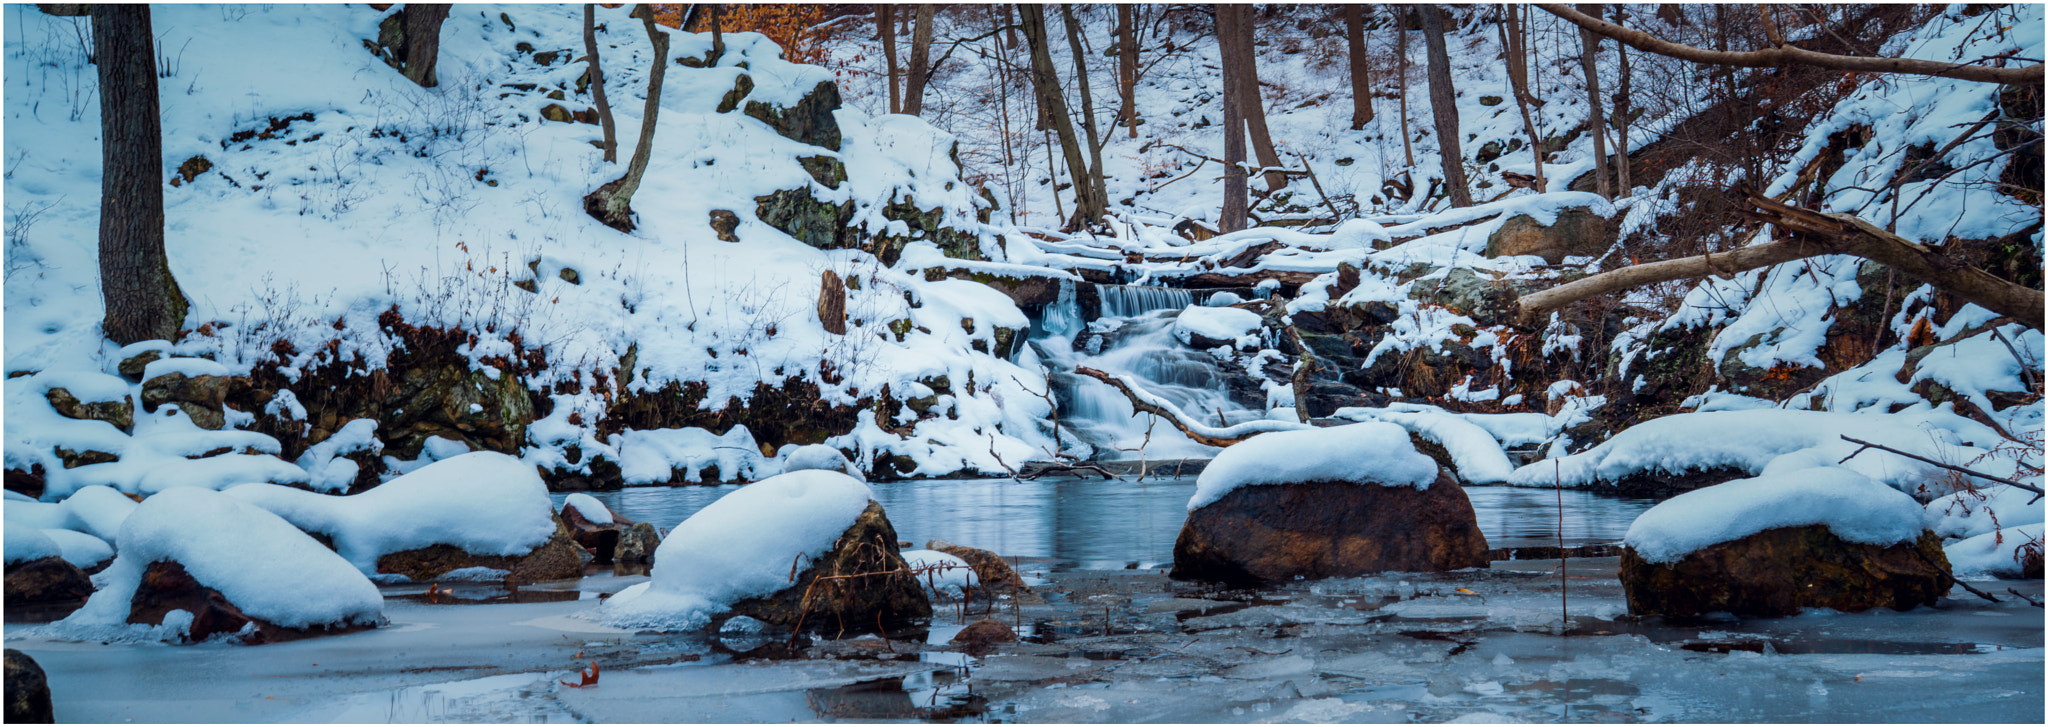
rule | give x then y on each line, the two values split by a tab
2024	597
1951	576
1035	470
1908	455
1202	433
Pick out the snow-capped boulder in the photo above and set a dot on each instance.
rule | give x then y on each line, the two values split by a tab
594	527
1553	226
1206	328
735	557
218	565
943	576
1822	537
1341	501
475	510
37	571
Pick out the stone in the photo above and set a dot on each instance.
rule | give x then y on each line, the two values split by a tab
569	275
1781	570
166	586
860	586
740	88
1486	300
46	580
28	691
119	413
832	303
808	121
990	570
553	561
724	222
204	390
133	366
636	544
982	637
1274	533
820	224
600	540
557	113
1577	231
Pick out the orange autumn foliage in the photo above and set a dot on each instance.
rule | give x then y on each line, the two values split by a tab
789	25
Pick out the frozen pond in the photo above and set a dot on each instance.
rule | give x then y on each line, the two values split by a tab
1095	524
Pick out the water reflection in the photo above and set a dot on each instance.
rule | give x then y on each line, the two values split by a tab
1097	524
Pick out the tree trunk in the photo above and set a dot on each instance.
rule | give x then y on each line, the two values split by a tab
1407	137
1045	85
1515	40
1443	106
1361	81
920	60
1009	26
1624	88
1127	66
423	41
1096	186
1251	105
596	73
885	23
1235	196
142	300
612	203
1589	51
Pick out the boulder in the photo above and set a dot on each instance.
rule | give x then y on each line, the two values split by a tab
1577	231
982	636
808	121
600	539
724	222
636	544
860	585
1781	570
46	580
553	561
28	691
166	586
995	576
1276	533
120	413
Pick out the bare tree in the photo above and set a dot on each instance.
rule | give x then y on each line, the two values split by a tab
920	70
1127	65
1251	105
1596	122
885	24
1407	137
142	299
1045	86
423	41
1514	39
1096	185
1361	80
1235	196
1622	91
596	74
1443	106
612	203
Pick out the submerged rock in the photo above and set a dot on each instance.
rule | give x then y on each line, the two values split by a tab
1779	571
1329	529
28	691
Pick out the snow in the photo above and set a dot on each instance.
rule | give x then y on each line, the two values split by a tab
82	550
98	511
589	508
653	456
1994	554
739	547
1371	453
1854	507
820	457
1476	454
483	502
25	544
324	463
1222	324
1966	514
262	564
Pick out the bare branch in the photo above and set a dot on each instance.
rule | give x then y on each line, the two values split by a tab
1972	473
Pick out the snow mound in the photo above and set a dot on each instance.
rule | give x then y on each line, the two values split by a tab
821	457
98	510
739	547
25	544
1963	515
948	575
1994	554
485	503
324	463
80	549
589	508
259	562
1477	455
1854	507
657	455
1221	324
1372	453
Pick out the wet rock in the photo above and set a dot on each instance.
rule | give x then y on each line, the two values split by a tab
28	482
28	691
119	413
990	570
1578	231
636	544
601	540
1657	483
46	580
832	303
1275	533
982	637
1779	571
166	586
553	561
861	585
808	121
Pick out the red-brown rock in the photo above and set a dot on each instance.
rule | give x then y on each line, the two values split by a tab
46	580
167	587
992	574
982	636
1270	533
553	561
1781	570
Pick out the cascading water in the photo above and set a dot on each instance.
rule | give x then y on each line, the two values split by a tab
1135	337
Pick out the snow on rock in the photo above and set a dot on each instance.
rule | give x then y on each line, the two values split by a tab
942	574
820	457
1228	325
263	565
589	508
739	547
36	515
1965	514
1855	508
1998	554
98	511
685	455
323	462
82	550
26	544
1477	456
485	503
1371	453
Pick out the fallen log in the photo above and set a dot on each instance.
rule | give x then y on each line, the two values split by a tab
1146	403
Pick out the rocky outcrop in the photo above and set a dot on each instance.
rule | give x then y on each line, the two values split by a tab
28	691
860	586
808	121
46	580
200	397
553	561
1577	231
995	576
832	303
1272	533
1779	571
166	586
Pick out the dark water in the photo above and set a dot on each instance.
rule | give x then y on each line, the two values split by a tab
1096	524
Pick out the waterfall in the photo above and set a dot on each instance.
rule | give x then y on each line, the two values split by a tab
1124	301
1062	318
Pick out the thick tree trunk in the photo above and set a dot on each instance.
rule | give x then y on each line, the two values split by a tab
1045	85
612	203
1515	40
920	60
142	300
885	23
1443	106
596	73
1589	51
1235	196
1361	81
423	41
1127	66
1251	105
1096	185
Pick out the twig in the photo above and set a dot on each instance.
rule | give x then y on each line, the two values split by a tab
2026	372
1972	473
1951	576
2024	597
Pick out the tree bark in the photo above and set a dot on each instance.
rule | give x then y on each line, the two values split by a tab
1361	80
1589	51
1127	66
1515	40
1045	85
1097	187
596	72
920	60
885	22
1623	185
423	41
1443	106
1785	55
1235	195
142	299
612	203
1407	137
1252	105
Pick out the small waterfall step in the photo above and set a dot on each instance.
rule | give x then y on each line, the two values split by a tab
1124	301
